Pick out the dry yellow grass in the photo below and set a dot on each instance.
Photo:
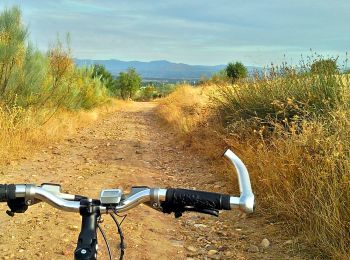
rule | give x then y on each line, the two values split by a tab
183	108
302	179
22	131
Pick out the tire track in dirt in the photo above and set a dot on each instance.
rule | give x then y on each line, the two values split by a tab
128	148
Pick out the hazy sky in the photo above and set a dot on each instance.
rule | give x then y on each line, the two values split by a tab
255	32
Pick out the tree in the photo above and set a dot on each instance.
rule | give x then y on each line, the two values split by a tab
324	66
128	83
236	71
100	72
13	36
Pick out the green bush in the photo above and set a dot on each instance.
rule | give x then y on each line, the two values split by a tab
31	79
128	83
154	90
101	73
324	66
13	52
148	93
165	89
236	71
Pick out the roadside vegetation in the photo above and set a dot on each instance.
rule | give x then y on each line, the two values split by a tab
43	96
291	127
38	88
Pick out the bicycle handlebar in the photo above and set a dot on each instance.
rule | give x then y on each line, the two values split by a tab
165	200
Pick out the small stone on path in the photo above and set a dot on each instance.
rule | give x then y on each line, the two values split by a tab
212	252
191	249
265	243
200	225
253	249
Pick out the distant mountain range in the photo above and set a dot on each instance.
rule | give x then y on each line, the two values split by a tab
159	70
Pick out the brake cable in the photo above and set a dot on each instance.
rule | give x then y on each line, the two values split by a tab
120	232
121	216
106	241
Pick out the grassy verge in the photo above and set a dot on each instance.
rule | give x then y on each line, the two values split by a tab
23	133
292	131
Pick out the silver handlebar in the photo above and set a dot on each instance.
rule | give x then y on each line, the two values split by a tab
31	193
152	196
246	201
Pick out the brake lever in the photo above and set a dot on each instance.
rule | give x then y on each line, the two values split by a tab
213	212
17	205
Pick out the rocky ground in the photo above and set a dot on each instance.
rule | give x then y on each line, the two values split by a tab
123	149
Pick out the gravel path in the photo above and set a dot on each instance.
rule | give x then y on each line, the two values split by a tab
123	149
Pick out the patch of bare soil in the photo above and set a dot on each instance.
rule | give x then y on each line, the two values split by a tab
123	149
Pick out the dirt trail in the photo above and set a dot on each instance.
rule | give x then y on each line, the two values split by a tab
123	149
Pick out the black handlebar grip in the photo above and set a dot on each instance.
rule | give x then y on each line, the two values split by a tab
179	199
7	192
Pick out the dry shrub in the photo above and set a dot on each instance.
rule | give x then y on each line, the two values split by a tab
184	108
23	132
15	126
297	128
304	181
300	172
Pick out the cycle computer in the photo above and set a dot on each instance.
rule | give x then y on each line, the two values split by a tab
111	196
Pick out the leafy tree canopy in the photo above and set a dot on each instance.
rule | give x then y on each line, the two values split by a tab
100	72
128	83
236	71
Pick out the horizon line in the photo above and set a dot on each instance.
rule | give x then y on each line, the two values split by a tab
148	61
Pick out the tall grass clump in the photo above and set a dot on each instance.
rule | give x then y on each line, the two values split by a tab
36	86
283	101
184	108
293	128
